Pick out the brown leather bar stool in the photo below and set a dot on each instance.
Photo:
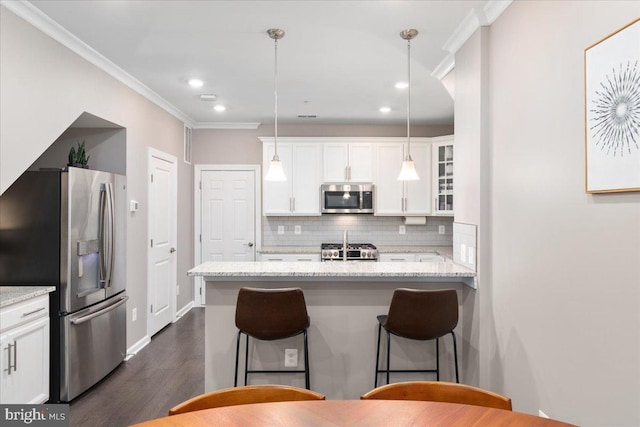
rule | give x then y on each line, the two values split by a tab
271	314
419	315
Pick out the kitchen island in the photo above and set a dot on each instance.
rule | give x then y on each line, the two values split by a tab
343	300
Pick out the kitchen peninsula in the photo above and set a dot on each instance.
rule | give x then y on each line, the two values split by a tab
343	300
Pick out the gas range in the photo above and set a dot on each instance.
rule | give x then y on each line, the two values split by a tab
355	252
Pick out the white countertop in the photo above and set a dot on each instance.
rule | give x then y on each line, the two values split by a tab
441	250
13	294
348	271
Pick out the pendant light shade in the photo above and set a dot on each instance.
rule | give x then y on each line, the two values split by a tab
276	171
408	171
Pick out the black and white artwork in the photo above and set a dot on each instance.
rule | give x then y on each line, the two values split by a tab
612	89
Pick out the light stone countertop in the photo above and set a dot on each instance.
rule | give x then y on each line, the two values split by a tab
336	271
13	294
445	251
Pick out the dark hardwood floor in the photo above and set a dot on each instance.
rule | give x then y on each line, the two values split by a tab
167	371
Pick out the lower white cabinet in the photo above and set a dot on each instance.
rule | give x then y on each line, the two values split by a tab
290	257
411	257
24	352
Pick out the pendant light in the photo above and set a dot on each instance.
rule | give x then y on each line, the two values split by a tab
408	171
275	172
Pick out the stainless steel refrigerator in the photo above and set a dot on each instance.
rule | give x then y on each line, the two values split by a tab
67	228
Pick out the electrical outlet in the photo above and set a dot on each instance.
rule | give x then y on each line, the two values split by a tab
281	229
441	229
291	358
134	314
297	229
402	229
542	414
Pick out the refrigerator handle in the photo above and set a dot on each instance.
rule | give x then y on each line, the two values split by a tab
102	236
107	230
83	319
111	227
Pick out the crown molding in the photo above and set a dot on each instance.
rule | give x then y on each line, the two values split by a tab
469	25
48	26
494	9
226	125
444	67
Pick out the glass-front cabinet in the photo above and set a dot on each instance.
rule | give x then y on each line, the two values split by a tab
443	176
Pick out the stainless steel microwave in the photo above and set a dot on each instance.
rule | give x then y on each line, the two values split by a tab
347	198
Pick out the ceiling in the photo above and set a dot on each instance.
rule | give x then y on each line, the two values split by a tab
339	60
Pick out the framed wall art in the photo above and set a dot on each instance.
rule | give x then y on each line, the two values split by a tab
612	111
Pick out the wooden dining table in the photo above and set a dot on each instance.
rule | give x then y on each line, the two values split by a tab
370	413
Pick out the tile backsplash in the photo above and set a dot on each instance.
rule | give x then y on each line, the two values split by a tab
381	231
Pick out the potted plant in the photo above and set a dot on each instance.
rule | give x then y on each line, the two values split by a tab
78	157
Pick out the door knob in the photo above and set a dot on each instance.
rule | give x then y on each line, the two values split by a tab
250	244
172	250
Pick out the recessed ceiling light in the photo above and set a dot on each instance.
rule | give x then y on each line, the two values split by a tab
195	83
219	108
402	85
385	110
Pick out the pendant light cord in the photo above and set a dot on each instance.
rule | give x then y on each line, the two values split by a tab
275	96
408	156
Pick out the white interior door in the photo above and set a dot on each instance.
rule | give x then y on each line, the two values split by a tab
228	216
162	274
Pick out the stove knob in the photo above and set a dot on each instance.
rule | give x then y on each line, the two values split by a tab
324	254
336	254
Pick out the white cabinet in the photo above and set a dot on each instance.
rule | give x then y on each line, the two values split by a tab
411	257
402	198
443	176
290	257
393	257
24	352
348	162
300	193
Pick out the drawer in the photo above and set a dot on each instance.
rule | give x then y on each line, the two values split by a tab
24	311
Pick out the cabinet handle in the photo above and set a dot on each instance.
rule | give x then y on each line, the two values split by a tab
33	312
8	369
349	172
294	204
15	356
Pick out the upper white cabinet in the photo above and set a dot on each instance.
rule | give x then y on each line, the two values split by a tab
24	352
443	176
348	162
300	193
402	198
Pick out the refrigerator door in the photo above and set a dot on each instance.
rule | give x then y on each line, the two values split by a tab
93	343
88	233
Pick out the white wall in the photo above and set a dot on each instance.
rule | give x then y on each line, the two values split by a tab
45	87
213	146
562	325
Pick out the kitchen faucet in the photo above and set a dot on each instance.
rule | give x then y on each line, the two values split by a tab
345	237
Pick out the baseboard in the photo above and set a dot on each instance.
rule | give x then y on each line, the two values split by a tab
184	310
134	349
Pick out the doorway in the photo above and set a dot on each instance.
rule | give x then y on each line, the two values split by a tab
162	238
227	216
